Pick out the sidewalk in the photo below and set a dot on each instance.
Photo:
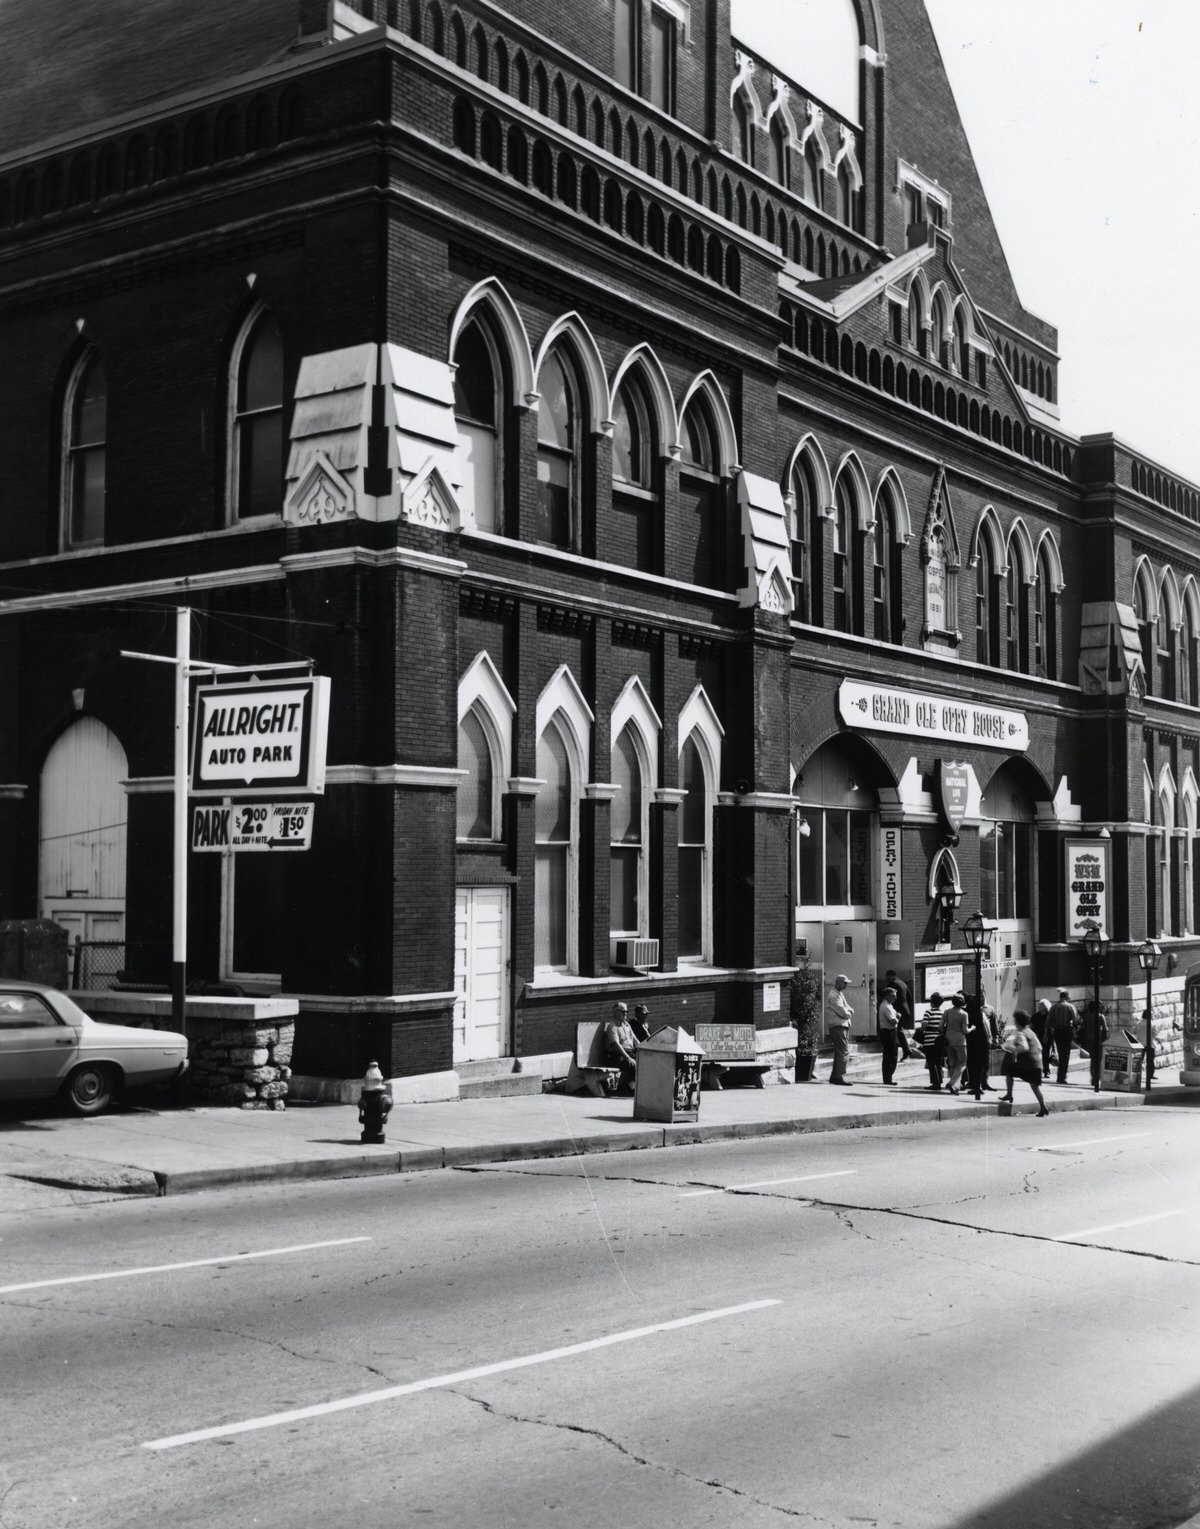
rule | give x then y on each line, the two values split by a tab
146	1149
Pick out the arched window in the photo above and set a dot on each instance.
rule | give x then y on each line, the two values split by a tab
256	434
695	824
630	833
807	541
556	835
1006	849
478	817
846	195
743	142
847	596
886	589
1143	610
987	606
627	17
1166	645
86	452
1016	612
1189	653
962	351
1045	621
916	321
634	469
701	496
478	384
632	439
814	181
777	151
840	809
558	453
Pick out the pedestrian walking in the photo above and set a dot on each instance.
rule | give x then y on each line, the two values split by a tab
1093	1032
1063	1024
933	1041
889	1028
838	1018
1023	1046
978	1041
1041	1027
956	1041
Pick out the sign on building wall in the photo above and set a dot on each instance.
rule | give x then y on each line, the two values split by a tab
919	714
1087	882
946	980
260	739
890	896
954	785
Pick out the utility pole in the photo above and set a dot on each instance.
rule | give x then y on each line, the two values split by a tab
184	669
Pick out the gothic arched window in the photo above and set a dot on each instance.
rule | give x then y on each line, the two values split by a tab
256	443
86	453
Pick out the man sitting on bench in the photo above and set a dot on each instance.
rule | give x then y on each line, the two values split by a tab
620	1045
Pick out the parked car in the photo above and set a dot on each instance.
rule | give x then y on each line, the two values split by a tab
49	1046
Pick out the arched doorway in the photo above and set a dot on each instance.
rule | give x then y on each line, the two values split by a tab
837	853
1007	863
81	835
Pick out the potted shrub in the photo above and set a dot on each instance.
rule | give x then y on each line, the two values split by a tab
804	993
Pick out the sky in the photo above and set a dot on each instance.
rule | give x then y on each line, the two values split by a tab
1084	119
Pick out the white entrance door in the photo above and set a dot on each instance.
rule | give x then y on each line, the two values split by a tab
850	952
81	833
480	973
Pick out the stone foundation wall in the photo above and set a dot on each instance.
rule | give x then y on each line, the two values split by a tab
240	1049
1124	1011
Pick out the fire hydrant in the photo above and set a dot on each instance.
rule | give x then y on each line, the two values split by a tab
374	1105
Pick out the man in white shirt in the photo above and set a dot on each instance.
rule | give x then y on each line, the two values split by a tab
838	1018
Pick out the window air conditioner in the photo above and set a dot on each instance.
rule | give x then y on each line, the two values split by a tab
636	953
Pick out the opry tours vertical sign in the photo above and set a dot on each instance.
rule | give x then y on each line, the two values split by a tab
1087	883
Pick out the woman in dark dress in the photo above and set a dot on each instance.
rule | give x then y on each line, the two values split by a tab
978	1041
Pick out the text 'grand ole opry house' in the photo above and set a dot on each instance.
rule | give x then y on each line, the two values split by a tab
647	441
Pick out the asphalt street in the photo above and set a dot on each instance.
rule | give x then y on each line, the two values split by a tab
992	1323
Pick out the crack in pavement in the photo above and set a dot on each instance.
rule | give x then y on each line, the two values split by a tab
914	1213
623	1449
205	1327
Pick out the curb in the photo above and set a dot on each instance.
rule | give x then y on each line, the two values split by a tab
425	1159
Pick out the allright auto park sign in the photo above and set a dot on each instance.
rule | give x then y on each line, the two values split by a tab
261	739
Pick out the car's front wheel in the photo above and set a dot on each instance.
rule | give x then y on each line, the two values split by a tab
90	1088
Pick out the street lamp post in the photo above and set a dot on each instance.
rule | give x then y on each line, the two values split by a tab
1149	955
949	898
1095	942
979	940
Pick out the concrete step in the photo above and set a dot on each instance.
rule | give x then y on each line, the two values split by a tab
499	1085
489	1067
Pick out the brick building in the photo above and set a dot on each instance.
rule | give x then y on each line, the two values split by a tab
650	445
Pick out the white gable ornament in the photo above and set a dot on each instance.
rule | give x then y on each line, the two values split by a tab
320	496
429	500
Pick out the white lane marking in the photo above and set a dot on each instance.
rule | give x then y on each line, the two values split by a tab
196	1263
1094	1141
808	1178
370	1398
1115	1226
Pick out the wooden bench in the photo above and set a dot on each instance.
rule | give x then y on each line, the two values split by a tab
730	1048
590	1061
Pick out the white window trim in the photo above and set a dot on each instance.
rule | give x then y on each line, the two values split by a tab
232	433
465	423
908	175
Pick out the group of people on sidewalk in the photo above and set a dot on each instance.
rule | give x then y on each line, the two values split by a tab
956	1041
